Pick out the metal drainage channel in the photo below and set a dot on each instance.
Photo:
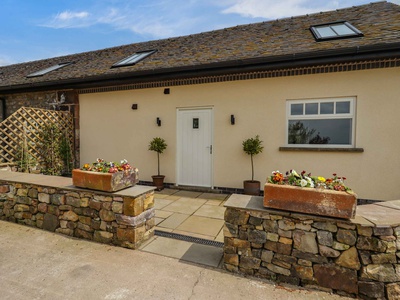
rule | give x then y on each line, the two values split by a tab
186	238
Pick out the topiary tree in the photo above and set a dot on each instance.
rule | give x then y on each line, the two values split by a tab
158	145
252	146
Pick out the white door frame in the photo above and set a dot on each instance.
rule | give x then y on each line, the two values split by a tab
178	152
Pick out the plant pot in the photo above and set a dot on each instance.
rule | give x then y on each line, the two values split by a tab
320	202
158	181
251	187
107	182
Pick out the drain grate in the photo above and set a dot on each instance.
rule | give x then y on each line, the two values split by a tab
187	238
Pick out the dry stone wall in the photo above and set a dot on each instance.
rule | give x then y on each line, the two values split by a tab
120	220
330	254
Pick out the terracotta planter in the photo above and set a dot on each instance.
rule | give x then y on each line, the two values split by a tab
158	181
107	182
310	201
251	187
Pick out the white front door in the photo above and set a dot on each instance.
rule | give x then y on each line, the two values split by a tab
195	128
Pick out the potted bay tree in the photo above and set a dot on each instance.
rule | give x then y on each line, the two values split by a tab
158	145
252	146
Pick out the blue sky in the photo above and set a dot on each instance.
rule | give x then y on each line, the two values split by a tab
38	29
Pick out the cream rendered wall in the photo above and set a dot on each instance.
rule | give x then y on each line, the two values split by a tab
112	130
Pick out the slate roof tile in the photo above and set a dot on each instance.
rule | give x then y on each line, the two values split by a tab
379	22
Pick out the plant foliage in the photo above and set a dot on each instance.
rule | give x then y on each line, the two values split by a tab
158	145
252	146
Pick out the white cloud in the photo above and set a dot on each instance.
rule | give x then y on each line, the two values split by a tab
272	9
395	1
4	61
69	19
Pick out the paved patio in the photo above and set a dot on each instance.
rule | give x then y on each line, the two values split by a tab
189	214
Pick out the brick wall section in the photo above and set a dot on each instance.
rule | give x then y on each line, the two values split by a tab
333	255
122	221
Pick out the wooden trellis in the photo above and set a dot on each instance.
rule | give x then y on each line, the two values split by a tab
20	130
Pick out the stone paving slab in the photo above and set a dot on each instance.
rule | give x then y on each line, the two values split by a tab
173	221
201	225
379	215
211	211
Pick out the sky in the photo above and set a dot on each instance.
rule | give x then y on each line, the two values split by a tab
39	29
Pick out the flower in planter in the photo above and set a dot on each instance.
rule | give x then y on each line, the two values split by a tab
108	167
306	180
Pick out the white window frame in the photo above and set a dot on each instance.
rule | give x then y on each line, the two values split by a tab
350	115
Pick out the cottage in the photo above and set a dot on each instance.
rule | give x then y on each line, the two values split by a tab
321	90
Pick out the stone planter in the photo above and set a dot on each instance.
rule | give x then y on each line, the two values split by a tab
107	182
310	201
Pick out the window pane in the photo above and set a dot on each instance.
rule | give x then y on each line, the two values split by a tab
328	131
326	108
325	32
311	108
296	109
343	107
342	29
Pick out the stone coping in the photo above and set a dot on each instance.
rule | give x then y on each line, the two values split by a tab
66	183
380	214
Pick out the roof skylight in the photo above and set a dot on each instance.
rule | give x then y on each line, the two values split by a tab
133	59
49	69
338	30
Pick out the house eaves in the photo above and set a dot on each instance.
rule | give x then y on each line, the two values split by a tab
359	53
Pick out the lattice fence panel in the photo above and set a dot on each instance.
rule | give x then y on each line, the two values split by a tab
20	130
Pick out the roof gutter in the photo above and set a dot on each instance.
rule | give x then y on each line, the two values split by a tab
358	53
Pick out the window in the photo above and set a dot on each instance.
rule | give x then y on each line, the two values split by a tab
321	123
133	59
334	31
48	70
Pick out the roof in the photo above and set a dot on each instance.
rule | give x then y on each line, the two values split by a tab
257	45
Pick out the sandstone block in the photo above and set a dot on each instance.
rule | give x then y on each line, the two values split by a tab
45	198
236	217
75	202
349	259
270	226
348	237
107	215
384	258
372	289
285	234
65	231
335	277
278	270
232	259
364	231
54	210
273	237
21	207
325	226
230	230
85	220
83	234
309	257
22	192
33	193
285	224
4	189
57	199
133	206
95	204
328	252
70	216
325	238
267	256
103	237
340	246
393	291
257	236
50	222
132	235
255	221
381	273
148	201
117	207
371	244
383	231
84	202
304	272
305	241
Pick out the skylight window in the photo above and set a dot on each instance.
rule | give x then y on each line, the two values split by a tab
133	59
338	30
49	69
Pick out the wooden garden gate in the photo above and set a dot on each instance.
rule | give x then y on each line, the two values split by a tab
20	130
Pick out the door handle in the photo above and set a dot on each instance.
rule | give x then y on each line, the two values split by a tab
210	148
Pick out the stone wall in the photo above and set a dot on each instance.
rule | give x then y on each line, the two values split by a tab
331	254
117	219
